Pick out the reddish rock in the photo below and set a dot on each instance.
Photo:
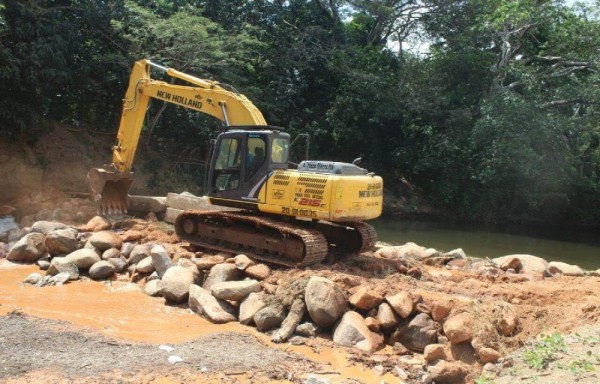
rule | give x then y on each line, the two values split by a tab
97	223
434	352
365	299
488	355
446	372
459	328
507	323
207	262
258	271
440	310
131	236
104	240
402	303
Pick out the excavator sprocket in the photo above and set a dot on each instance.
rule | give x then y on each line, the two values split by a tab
260	237
272	240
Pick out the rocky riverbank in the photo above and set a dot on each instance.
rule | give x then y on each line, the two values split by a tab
414	312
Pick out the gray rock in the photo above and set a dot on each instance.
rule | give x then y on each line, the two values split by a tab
242	262
160	259
565	269
83	258
529	263
269	317
101	270
62	241
62	265
457	253
220	273
307	330
44	264
153	276
417	333
61	278
139	253
387	317
29	249
352	331
153	288
251	304
119	263
176	283
234	290
325	301
33	278
126	249
145	266
208	306
447	372
47	226
111	253
104	240
314	379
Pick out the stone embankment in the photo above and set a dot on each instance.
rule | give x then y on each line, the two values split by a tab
441	337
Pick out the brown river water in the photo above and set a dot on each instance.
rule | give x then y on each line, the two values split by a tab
119	313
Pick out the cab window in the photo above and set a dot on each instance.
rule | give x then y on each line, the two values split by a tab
227	165
279	150
255	155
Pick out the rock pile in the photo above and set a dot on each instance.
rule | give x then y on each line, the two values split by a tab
225	288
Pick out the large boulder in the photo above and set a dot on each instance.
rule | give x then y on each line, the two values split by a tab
529	263
101	270
459	328
83	258
47	226
565	269
206	305
220	273
104	240
235	290
325	301
176	283
60	265
352	331
417	333
160	260
62	241
29	249
251	304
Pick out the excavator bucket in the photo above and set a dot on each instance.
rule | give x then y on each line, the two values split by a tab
109	189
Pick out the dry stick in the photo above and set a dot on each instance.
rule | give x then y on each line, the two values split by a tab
536	375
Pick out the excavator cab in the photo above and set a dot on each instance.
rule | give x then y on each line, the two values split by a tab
241	160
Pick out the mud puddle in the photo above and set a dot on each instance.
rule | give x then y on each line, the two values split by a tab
126	315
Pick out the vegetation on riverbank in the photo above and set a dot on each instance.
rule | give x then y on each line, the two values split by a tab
489	108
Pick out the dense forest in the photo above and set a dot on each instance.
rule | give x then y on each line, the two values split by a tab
490	107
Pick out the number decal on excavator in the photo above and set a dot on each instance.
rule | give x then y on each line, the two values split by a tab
298	212
310	202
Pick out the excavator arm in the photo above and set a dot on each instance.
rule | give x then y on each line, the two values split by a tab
110	184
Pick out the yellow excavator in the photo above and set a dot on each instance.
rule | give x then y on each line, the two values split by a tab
291	217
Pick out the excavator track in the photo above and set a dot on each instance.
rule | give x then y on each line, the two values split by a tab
270	239
260	237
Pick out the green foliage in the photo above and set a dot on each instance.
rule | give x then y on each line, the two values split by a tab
497	120
484	379
545	351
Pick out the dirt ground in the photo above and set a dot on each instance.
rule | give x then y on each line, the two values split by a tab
53	346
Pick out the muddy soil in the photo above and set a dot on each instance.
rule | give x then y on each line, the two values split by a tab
86	356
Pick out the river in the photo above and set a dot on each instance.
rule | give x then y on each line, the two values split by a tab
580	248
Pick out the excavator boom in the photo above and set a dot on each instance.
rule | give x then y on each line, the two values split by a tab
110	183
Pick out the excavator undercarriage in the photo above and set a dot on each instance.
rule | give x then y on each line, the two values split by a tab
273	239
